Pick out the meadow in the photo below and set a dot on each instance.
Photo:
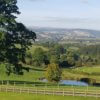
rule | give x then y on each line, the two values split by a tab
83	72
36	73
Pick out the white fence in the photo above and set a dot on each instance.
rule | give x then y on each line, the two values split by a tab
51	91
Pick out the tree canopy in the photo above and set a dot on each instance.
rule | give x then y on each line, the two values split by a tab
39	57
15	38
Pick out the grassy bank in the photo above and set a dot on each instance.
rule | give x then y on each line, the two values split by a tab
92	73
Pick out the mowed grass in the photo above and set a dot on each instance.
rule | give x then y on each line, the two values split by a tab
33	75
90	70
36	73
16	96
82	72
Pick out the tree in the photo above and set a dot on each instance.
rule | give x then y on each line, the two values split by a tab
54	59
59	49
55	53
16	37
72	57
39	56
63	61
53	73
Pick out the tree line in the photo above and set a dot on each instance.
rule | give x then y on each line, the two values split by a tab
62	56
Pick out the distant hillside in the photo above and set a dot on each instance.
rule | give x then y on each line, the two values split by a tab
59	34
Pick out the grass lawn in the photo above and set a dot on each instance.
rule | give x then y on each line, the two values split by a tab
94	69
82	72
15	96
36	73
33	75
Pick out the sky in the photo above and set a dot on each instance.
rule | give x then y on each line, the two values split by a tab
60	13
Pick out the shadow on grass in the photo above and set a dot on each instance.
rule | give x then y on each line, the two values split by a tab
35	69
12	82
28	83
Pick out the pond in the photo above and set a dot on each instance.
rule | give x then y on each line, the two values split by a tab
70	82
73	82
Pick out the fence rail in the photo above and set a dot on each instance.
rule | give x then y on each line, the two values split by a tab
49	91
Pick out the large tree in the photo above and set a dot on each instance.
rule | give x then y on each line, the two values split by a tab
15	38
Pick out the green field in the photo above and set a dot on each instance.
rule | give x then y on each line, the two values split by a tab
90	70
15	96
35	73
82	72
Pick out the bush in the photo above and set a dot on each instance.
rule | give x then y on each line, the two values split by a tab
88	80
53	73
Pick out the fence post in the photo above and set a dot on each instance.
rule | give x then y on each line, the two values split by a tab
36	91
73	92
63	92
53	92
13	89
28	90
20	90
86	93
96	94
44	91
6	88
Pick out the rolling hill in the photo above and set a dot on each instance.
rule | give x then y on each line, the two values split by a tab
59	34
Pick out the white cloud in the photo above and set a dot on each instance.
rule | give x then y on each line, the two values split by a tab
85	1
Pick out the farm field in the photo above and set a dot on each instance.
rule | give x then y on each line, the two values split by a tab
15	96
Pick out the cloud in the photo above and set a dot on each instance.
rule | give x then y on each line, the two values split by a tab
85	1
62	22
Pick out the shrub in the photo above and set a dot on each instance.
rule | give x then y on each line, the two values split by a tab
53	73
